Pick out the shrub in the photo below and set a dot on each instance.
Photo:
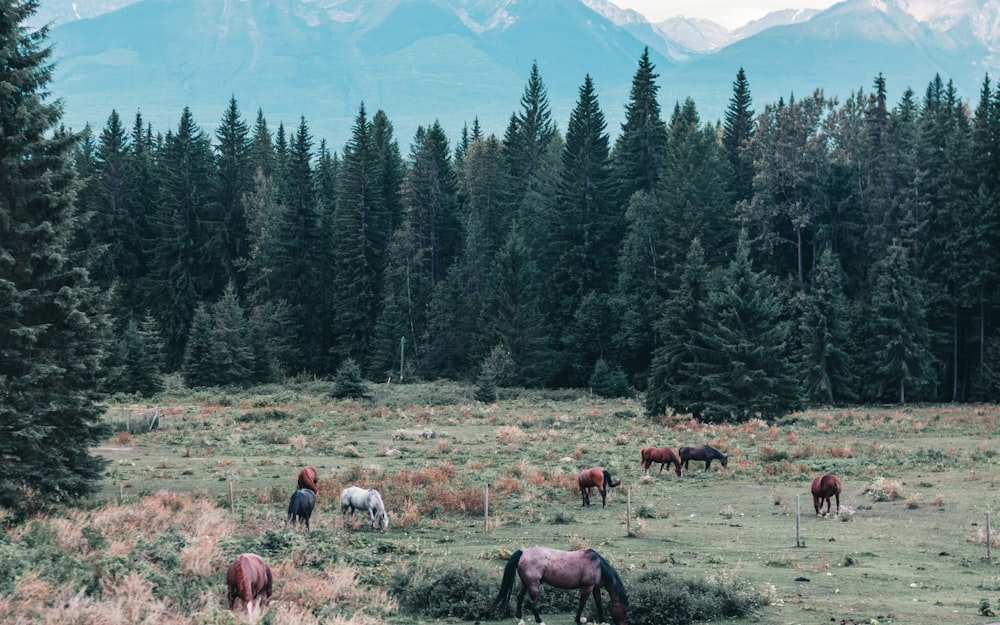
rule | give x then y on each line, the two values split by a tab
660	598
608	380
348	383
443	592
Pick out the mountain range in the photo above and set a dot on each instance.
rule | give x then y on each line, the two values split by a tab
454	61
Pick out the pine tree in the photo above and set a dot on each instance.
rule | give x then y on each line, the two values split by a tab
826	353
234	177
359	251
187	260
199	367
737	134
740	354
53	326
673	384
639	148
693	196
898	335
231	341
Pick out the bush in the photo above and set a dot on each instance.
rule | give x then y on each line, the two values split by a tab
609	381
348	383
444	592
659	598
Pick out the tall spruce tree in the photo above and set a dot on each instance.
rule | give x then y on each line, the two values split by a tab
737	134
53	326
825	358
639	148
586	228
234	177
741	350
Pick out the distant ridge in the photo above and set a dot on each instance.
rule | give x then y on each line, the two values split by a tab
457	60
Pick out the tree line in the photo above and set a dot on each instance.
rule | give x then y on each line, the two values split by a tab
815	253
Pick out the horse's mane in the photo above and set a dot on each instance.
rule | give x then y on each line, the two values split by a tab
611	580
374	497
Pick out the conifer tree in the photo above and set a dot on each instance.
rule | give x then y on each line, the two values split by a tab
199	366
673	383
586	226
898	335
639	148
738	130
741	350
53	326
824	335
234	177
693	195
187	260
359	250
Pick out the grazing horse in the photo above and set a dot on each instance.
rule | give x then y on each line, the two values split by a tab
357	498
308	479
664	455
584	569
701	452
595	477
824	487
249	578
301	506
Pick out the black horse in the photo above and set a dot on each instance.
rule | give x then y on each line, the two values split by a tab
300	508
701	452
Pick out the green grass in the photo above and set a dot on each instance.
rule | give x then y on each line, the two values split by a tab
916	558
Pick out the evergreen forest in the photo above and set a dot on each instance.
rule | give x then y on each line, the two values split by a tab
814	252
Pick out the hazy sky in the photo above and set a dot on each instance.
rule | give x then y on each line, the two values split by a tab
729	13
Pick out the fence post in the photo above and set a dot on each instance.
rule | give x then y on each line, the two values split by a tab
989	539
798	522
486	508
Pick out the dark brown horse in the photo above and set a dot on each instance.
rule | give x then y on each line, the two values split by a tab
249	578
824	487
701	452
584	569
596	477
664	455
309	479
300	507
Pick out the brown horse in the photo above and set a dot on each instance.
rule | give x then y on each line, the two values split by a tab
249	578
824	487
663	455
701	452
596	477
584	569
308	479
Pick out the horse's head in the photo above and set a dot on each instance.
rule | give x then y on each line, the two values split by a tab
724	460
383	521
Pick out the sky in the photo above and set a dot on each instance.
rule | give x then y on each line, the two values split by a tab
729	13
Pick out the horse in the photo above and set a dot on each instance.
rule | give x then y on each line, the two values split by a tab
824	487
301	506
595	477
249	578
308	479
584	569
701	452
663	455
357	498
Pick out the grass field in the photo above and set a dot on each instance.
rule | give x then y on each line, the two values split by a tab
910	545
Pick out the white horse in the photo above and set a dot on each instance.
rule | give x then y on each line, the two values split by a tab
357	498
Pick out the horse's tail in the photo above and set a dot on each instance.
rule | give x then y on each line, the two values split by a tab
507	585
293	507
609	481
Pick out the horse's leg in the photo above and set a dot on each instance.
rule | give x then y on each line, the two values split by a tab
579	607
597	600
837	495
604	496
585	493
533	602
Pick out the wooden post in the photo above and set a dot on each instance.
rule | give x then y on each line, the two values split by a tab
989	539
486	508
232	502
798	522
628	508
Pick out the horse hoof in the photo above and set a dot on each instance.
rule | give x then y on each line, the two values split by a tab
583	619
520	621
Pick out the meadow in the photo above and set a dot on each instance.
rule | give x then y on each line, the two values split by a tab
213	479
